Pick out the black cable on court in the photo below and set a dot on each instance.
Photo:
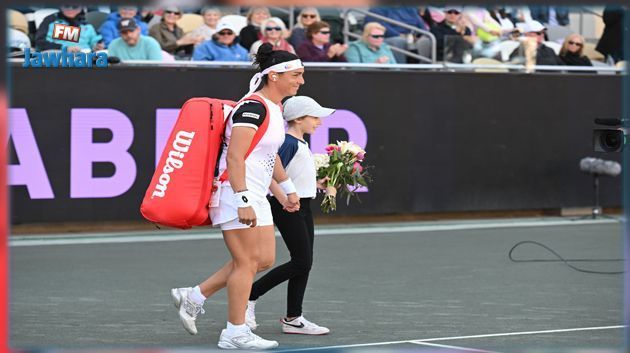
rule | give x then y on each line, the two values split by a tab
566	261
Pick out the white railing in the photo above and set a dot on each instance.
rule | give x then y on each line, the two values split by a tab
349	66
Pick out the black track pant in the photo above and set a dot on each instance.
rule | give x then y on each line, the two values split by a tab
297	231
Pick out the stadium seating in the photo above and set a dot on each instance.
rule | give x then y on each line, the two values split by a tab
489	62
18	21
591	53
41	14
17	40
96	18
190	21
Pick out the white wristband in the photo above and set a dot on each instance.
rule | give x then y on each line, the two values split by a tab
288	187
243	199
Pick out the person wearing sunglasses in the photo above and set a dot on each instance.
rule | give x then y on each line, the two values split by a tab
317	47
273	32
535	31
572	50
251	33
454	34
306	17
372	48
171	37
222	47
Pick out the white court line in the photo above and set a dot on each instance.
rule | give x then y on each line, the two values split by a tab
452	347
463	337
134	237
524	333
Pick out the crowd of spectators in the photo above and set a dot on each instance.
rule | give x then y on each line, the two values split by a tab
461	34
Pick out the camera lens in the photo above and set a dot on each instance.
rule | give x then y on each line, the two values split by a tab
611	140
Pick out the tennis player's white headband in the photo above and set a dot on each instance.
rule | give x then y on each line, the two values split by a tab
282	67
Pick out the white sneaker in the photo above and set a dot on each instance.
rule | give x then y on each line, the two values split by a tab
188	309
244	340
300	325
250	315
177	296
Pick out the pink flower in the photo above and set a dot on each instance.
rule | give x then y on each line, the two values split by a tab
330	148
360	156
357	168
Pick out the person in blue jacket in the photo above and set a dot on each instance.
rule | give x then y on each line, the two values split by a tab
109	29
71	15
222	47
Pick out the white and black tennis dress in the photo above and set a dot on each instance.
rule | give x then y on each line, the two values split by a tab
258	165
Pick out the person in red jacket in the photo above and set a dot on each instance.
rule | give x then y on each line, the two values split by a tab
317	47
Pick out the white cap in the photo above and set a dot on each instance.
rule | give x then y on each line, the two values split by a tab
532	26
226	25
453	7
299	106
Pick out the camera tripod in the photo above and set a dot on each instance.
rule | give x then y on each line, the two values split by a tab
596	210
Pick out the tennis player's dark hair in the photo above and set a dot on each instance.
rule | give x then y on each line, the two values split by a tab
267	57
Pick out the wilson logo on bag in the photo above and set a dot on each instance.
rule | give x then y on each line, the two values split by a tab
181	187
175	160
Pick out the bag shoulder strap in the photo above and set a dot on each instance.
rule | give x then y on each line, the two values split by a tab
260	132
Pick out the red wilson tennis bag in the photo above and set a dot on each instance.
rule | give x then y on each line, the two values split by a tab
181	187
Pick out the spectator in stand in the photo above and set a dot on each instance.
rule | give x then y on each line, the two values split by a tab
544	54
550	15
132	44
396	36
109	28
307	16
251	33
273	31
371	48
317	47
211	16
571	51
222	47
171	37
89	39
454	32
610	44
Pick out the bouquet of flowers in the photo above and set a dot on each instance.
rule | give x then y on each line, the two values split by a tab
342	171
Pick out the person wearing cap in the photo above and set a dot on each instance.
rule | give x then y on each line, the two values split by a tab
273	32
109	29
171	37
239	205
534	30
132	45
303	115
222	47
454	31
